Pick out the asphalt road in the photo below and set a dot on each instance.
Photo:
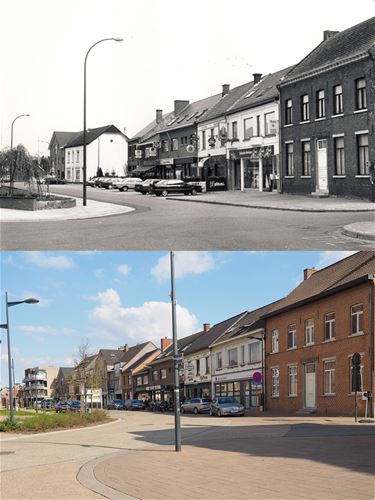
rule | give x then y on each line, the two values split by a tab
159	224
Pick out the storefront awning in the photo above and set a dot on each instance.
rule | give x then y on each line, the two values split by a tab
141	170
202	161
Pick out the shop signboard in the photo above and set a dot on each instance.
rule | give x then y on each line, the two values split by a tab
166	161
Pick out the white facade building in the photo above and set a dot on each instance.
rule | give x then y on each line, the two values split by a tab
106	148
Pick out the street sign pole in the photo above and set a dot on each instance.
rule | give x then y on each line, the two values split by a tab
177	425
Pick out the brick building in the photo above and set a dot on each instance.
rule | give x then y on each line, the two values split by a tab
327	106
312	334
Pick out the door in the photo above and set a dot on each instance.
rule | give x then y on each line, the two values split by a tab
310	385
322	171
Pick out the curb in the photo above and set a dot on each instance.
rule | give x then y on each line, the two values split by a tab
359	235
282	209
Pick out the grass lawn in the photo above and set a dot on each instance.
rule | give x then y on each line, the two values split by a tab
43	422
6	413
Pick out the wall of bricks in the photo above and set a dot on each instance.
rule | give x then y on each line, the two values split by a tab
324	129
341	349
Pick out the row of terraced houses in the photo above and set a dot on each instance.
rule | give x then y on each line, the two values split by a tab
302	345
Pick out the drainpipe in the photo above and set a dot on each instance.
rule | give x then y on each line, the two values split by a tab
371	278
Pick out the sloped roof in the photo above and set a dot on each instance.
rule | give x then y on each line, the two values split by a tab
226	102
92	134
62	138
66	371
153	128
142	359
214	333
345	273
111	356
182	345
262	92
133	351
350	43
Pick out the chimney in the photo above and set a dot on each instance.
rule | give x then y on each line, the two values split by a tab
159	115
179	106
308	272
206	327
225	89
329	34
257	77
165	343
124	348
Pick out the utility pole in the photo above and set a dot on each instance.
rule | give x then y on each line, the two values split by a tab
177	424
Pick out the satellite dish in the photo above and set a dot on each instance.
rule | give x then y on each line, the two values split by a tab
190	148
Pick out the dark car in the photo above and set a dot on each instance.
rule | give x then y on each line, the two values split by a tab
107	182
91	182
134	404
61	406
175	186
74	405
116	404
146	187
226	405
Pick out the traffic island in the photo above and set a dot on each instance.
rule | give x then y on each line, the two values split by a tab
24	200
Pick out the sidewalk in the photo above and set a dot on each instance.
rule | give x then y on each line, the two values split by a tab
276	201
92	210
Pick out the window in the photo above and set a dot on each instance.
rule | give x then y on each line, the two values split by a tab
337	100
360	94
339	156
275	382
258	126
232	357
292	336
320	104
163	373
77	156
207	365
275	341
255	352
288	112
362	154
329	326
243	354
306	158
145	379
234	131
270	123
203	139
197	367
68	160
78	174
329	377
356	313
305	108
309	332
165	146
72	156
289	159
292	380
155	375
248	128
174	144
139	380
219	361
351	376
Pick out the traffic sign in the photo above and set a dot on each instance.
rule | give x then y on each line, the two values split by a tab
257	377
179	358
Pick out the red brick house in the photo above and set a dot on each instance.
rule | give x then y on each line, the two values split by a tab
312	334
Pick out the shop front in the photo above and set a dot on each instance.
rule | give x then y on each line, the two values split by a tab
214	172
198	390
238	385
166	169
253	168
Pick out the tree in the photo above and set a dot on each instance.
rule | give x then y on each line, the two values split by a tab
18	164
86	372
99	172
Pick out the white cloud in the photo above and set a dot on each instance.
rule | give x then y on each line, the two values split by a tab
185	263
39	333
150	321
99	273
45	260
124	269
328	258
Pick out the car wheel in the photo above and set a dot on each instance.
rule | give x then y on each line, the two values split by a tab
125	188
110	187
182	410
193	192
196	411
164	193
143	192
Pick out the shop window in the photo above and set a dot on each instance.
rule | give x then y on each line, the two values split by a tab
362	154
356	313
275	378
292	337
329	377
337	100
329	326
309	332
360	94
339	156
292	380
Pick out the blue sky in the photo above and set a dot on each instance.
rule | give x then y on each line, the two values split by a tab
113	298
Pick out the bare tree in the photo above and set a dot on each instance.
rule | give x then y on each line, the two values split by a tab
87	372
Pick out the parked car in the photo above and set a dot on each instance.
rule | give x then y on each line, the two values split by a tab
226	405
174	186
134	404
61	406
196	405
51	179
116	404
107	182
74	405
98	181
91	182
146	187
127	183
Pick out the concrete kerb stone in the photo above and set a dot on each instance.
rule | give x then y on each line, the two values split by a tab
360	230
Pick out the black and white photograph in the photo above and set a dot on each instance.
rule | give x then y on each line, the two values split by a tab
187	249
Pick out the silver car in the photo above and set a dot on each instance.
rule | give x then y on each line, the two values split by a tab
226	405
196	405
127	183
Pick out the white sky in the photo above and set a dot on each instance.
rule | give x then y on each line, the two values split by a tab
171	50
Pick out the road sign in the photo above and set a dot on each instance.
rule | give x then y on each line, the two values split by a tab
257	377
179	358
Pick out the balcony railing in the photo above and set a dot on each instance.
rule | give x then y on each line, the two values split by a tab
30	378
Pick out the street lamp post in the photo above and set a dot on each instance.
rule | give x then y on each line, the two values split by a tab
12	174
177	424
6	325
11	129
84	115
263	375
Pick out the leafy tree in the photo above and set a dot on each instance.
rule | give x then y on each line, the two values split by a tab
18	164
99	172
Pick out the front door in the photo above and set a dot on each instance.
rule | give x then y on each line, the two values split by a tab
310	385
322	171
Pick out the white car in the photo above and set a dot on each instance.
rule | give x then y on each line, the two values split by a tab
127	183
